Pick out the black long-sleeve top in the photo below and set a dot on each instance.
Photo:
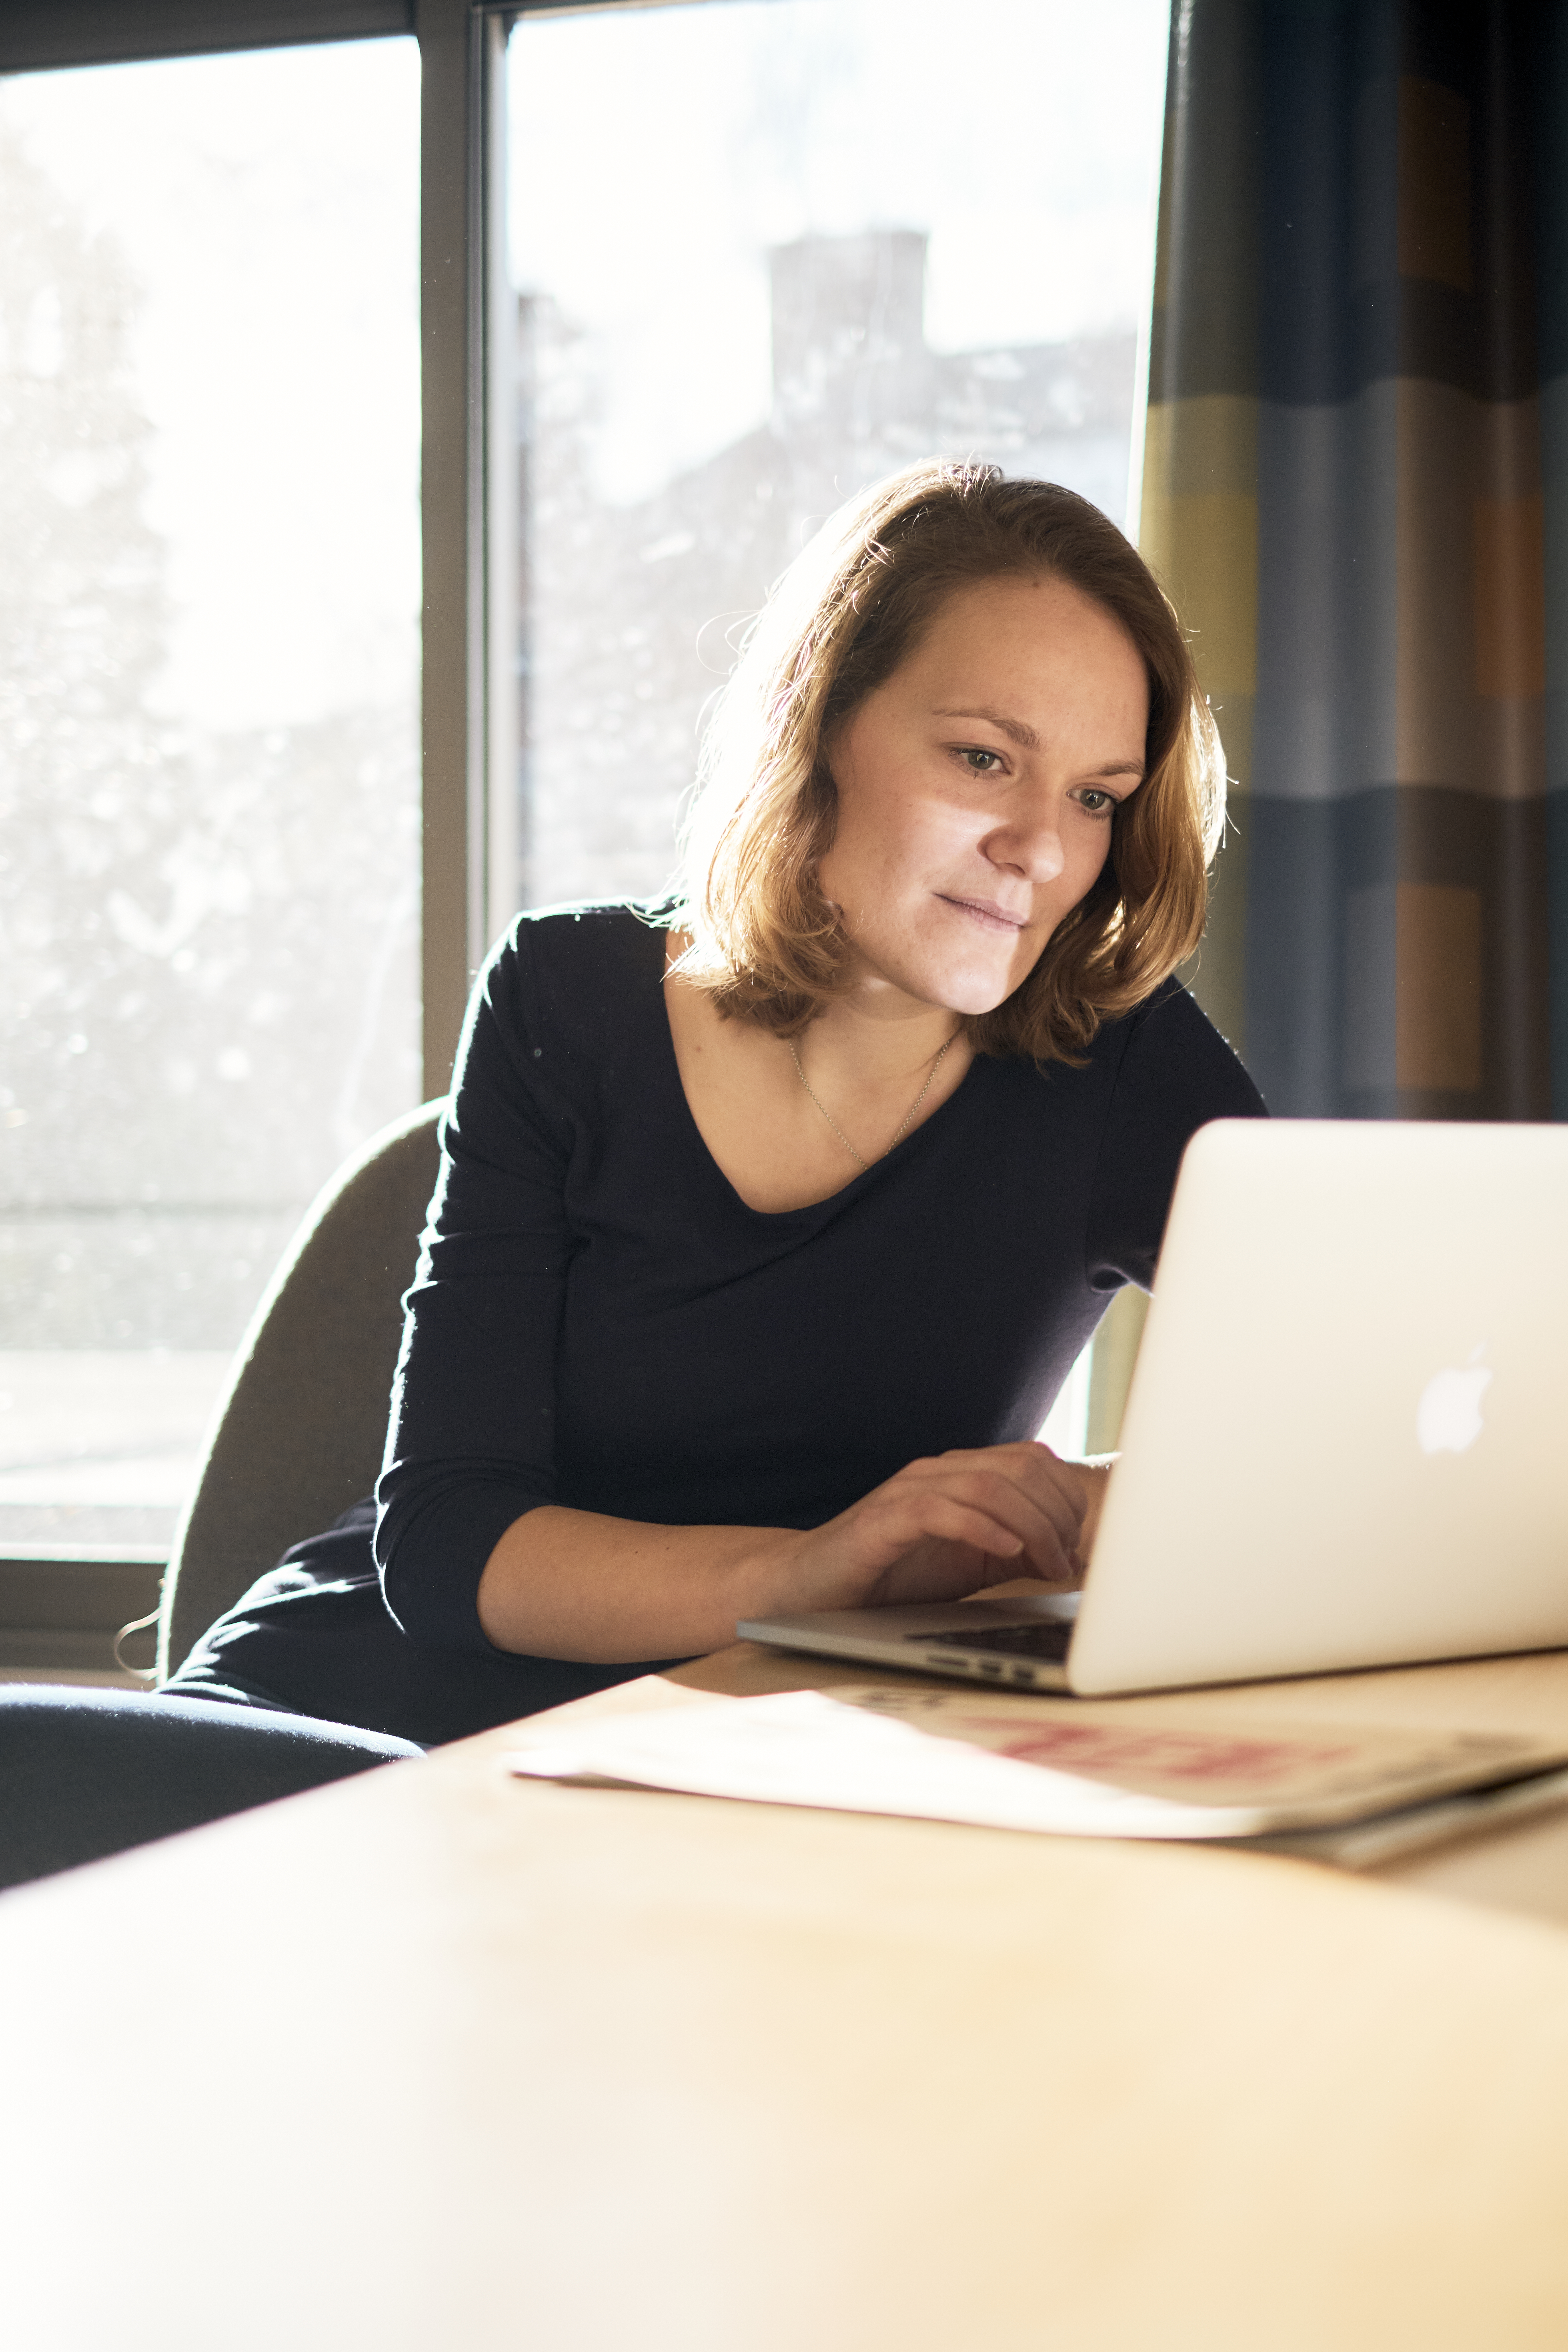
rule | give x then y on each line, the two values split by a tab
598	1320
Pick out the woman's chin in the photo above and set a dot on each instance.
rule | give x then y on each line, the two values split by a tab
981	984
973	993
972	986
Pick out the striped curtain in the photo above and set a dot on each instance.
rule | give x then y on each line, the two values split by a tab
1356	489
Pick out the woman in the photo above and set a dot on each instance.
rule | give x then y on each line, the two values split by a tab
770	1221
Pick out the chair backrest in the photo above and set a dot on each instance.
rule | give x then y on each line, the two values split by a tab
299	1432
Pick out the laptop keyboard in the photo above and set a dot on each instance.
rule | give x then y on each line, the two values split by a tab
1046	1637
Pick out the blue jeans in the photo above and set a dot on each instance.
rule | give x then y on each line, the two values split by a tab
87	1772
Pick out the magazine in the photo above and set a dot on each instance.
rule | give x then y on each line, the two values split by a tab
1075	1768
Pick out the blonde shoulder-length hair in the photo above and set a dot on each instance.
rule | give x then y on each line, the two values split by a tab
765	943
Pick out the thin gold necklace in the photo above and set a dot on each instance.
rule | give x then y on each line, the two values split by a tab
903	1123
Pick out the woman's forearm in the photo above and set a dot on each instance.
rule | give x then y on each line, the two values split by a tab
574	1584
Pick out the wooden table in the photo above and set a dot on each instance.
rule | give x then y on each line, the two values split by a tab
440	2059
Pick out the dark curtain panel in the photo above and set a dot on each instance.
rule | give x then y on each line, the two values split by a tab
1356	489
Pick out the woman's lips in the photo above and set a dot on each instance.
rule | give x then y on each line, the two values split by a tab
995	919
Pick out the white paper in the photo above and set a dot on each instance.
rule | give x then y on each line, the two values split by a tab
849	1754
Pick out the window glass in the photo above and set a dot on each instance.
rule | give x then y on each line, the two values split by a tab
209	695
767	251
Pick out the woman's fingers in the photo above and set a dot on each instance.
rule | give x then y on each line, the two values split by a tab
1018	1487
944	1526
1004	1510
953	1521
981	1511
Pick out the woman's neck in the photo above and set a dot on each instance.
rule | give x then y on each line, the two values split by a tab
878	1038
791	1121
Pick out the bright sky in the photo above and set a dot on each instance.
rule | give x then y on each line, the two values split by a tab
656	153
267	205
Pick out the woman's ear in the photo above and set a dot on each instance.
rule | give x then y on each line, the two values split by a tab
821	799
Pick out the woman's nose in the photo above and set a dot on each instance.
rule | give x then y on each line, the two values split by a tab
1030	846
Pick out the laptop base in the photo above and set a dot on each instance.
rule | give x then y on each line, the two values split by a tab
1017	1644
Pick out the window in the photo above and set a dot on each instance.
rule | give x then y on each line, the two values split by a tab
208	727
767	251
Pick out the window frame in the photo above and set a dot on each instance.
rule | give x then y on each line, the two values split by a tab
36	36
470	814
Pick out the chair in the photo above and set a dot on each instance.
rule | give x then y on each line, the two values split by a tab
298	1435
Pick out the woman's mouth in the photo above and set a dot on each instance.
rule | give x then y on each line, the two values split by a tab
994	918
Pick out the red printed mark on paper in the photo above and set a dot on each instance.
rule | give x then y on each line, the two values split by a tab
1175	1755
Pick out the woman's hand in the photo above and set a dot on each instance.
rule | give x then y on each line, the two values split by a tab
949	1526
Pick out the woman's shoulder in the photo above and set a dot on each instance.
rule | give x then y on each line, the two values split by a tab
1169	1045
579	964
1173	1074
560	998
581	933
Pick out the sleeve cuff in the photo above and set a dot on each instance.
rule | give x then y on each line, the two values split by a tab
430	1567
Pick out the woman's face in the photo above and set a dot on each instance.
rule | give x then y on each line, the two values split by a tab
976	788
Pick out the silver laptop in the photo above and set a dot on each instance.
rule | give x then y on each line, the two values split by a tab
1346	1440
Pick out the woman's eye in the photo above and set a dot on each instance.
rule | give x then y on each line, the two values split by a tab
981	764
1096	802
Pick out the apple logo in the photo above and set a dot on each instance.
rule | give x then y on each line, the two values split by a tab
1448	1417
